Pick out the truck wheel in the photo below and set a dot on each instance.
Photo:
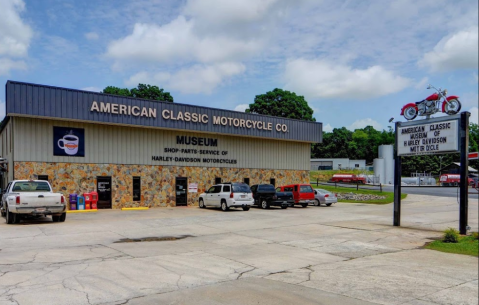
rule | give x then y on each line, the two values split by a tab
304	205
202	204
316	202
264	204
245	208
328	204
63	217
224	206
284	207
10	218
55	218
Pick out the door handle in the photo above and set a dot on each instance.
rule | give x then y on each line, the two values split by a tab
41	196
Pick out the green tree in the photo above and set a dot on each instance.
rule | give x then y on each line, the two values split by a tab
474	143
142	91
282	103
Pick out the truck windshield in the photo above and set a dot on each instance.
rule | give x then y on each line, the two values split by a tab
266	188
241	188
305	189
31	186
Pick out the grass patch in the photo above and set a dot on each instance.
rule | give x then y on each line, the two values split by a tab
467	245
389	195
325	175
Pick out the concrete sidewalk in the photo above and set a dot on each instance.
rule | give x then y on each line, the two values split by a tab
345	254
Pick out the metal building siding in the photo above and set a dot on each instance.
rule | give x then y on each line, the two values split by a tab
43	101
133	145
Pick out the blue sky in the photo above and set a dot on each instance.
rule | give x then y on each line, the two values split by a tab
355	62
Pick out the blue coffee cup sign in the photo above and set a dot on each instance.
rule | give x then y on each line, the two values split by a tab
68	141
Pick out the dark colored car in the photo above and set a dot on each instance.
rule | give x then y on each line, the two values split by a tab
265	195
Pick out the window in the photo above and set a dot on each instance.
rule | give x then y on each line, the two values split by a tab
217	180
31	186
272	181
295	188
356	165
267	187
226	188
211	190
253	188
246	180
241	188
288	189
136	188
305	189
217	189
43	177
278	189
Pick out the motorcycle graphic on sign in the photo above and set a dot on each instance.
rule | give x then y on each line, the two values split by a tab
437	102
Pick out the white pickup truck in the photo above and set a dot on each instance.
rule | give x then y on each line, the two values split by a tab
30	198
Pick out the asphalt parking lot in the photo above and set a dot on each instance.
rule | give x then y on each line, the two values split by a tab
345	254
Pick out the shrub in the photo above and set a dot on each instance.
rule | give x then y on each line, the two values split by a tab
475	235
451	235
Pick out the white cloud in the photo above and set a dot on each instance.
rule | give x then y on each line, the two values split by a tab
322	79
178	41
92	36
422	83
474	115
327	128
459	51
197	79
15	35
241	107
359	124
7	64
93	89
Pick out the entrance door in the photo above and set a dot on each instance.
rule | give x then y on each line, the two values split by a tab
103	186
181	191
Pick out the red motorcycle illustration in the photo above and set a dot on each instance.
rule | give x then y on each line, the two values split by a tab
432	104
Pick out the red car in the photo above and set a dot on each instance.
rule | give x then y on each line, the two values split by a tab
348	178
303	194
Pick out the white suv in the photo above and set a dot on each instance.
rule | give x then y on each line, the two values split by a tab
227	195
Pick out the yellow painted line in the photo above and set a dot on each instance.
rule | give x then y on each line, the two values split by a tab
82	211
133	209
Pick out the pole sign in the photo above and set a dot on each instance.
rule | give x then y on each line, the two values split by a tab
430	138
473	156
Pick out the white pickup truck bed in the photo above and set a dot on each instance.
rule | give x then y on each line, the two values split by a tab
24	198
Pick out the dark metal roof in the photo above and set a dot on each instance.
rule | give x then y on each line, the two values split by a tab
32	100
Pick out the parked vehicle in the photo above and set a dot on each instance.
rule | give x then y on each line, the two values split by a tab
265	195
437	102
324	197
226	196
303	194
31	198
348	178
453	180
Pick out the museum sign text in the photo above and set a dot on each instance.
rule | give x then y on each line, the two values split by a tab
432	138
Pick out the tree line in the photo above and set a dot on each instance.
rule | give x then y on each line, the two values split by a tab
359	144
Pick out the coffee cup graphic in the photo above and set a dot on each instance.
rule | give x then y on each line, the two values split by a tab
69	143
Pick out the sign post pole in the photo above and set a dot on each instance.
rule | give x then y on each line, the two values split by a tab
397	181
464	148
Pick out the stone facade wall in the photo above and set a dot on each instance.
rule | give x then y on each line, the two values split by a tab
157	182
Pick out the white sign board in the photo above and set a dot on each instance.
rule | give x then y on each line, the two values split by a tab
193	188
430	138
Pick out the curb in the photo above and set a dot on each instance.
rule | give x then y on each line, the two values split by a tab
135	209
82	211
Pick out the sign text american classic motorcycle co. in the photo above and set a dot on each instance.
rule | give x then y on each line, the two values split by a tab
186	116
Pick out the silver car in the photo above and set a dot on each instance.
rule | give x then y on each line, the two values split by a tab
324	197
